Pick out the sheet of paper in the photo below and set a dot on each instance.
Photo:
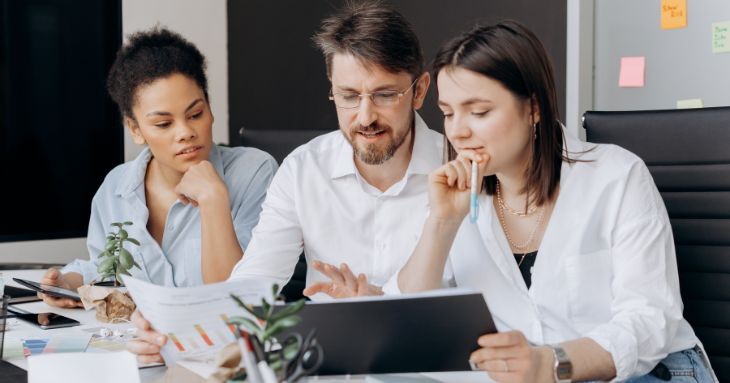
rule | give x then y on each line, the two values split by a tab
631	74
113	367
674	14
689	103
71	342
721	37
194	318
122	333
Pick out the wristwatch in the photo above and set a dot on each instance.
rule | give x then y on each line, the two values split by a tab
563	368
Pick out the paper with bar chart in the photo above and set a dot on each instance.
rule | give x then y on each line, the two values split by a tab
194	318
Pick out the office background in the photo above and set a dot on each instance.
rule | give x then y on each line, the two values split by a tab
246	93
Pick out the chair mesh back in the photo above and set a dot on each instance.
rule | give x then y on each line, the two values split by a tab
688	154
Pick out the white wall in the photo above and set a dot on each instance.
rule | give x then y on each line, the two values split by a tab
204	23
579	64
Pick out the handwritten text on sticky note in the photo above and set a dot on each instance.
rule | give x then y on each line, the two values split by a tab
631	74
721	37
674	14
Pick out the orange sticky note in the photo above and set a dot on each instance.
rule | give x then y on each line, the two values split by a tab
632	72
674	14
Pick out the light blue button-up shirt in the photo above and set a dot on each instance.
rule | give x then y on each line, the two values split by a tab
247	173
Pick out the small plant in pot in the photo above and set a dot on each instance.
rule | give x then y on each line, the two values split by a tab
291	358
112	304
115	260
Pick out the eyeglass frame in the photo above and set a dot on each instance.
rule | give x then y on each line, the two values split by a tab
372	95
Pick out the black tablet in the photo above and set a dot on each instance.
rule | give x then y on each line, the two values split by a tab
48	289
398	335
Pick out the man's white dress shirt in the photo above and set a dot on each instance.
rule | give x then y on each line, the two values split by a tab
318	203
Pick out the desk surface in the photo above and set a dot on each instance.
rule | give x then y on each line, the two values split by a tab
88	320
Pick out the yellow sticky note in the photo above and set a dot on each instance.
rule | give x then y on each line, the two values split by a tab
674	14
631	74
690	103
721	37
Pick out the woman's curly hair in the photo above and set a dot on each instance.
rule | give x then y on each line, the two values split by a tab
148	56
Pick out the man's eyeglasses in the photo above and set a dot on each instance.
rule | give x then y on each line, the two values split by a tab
384	98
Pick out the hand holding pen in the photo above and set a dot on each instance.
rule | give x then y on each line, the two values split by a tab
455	186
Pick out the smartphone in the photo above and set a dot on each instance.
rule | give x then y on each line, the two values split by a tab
54	291
47	320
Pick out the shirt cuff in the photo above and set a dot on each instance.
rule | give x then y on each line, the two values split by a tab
622	346
391	287
83	267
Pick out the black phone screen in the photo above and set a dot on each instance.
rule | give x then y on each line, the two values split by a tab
48	320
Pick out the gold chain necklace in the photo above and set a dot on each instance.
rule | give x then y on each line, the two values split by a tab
503	222
503	205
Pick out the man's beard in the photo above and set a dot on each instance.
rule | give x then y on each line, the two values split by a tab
376	154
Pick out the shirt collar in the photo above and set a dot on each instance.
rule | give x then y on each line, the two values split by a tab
134	174
422	158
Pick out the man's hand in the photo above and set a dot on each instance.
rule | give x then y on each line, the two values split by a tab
147	346
343	283
54	277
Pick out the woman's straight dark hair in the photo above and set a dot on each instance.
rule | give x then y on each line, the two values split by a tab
511	54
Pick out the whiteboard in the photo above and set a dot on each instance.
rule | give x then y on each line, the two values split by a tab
679	62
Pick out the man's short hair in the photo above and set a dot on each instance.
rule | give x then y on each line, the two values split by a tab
374	33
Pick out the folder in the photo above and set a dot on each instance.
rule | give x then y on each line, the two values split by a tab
399	334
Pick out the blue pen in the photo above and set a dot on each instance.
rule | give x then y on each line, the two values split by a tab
474	205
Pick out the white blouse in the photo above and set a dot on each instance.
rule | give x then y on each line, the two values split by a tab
606	268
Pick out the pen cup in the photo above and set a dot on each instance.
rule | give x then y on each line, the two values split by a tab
3	319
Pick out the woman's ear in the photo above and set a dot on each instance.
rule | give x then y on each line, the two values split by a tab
134	131
420	89
534	111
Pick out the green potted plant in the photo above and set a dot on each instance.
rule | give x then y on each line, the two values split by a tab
268	323
115	260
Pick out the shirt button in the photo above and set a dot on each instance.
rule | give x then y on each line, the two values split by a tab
170	227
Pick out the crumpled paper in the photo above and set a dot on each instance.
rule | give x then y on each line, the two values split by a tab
227	363
111	304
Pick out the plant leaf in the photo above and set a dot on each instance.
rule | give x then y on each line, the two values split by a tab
125	258
247	308
265	306
250	325
127	223
280	326
290	309
123	234
106	265
132	240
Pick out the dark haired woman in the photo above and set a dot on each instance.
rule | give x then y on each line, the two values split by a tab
193	204
572	247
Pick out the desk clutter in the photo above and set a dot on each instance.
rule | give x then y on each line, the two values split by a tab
219	333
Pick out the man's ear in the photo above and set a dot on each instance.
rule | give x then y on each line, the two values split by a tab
420	89
134	131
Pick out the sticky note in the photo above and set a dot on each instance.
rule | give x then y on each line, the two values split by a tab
631	74
689	103
674	14
721	37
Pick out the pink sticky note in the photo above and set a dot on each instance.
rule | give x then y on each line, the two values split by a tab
632	72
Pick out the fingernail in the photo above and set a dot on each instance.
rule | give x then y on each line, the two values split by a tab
161	340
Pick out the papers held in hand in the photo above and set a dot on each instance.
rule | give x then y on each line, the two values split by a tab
434	331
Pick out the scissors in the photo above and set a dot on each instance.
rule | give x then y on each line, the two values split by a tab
305	361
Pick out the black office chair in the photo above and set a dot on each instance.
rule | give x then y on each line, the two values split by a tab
688	154
278	143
